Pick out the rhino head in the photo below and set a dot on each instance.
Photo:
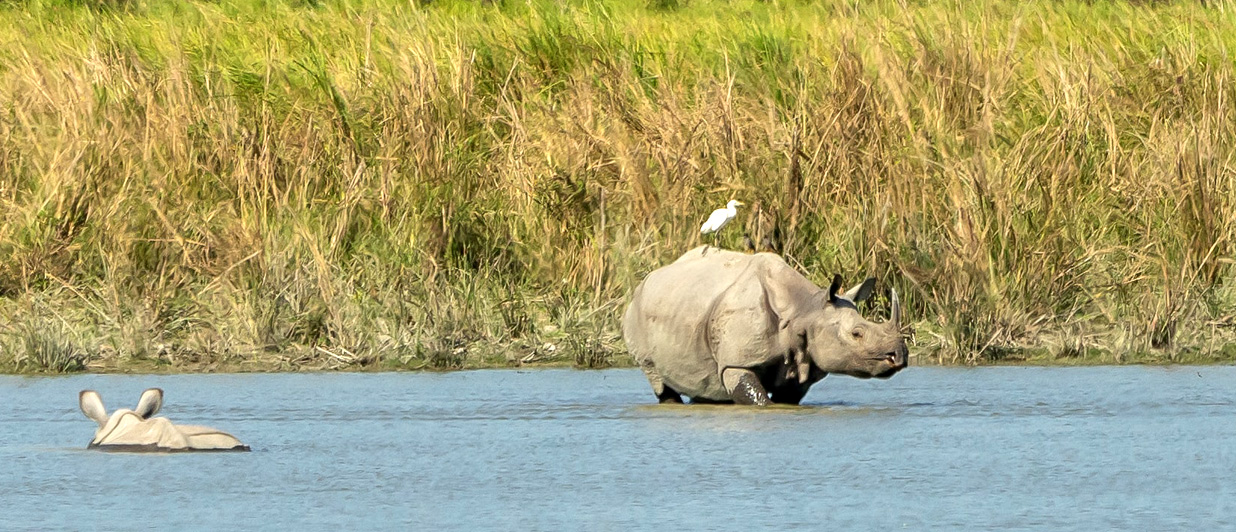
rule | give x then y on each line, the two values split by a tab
138	430
839	340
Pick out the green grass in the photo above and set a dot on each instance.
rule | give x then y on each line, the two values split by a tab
372	184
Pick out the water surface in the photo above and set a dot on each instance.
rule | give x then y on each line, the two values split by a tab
1133	448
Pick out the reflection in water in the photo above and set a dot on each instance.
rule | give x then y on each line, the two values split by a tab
932	448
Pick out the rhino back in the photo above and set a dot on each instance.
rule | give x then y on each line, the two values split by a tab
128	431
210	439
677	312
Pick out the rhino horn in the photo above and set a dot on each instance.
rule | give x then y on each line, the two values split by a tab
92	405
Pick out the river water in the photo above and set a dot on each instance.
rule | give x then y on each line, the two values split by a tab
1131	448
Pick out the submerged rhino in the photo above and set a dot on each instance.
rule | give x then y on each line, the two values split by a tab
749	329
135	430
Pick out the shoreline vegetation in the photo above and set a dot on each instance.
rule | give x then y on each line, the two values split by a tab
283	185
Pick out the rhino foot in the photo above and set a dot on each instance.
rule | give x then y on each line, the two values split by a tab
744	387
664	393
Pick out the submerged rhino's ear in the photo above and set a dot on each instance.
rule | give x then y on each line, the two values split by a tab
92	405
862	291
150	403
833	288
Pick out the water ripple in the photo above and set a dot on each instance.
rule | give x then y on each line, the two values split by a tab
932	448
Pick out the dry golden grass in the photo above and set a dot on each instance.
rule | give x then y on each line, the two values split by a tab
249	184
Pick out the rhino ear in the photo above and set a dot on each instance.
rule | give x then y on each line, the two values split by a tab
833	288
150	403
92	405
861	291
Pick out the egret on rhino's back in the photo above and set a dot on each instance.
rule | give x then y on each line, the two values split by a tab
719	218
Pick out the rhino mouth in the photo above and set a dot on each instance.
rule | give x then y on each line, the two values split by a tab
894	365
890	358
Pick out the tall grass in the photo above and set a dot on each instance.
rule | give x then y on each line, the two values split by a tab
269	184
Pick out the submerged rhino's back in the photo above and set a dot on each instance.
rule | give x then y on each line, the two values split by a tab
667	321
127	431
210	439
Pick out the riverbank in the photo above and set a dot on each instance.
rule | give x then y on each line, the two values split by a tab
285	364
270	186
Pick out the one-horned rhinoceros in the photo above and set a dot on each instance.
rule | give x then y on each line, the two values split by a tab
136	430
731	327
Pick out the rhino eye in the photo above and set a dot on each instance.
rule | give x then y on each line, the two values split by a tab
857	334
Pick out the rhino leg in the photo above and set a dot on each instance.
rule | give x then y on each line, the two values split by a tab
664	393
789	394
668	395
744	386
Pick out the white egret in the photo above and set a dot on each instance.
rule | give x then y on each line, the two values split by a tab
719	218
